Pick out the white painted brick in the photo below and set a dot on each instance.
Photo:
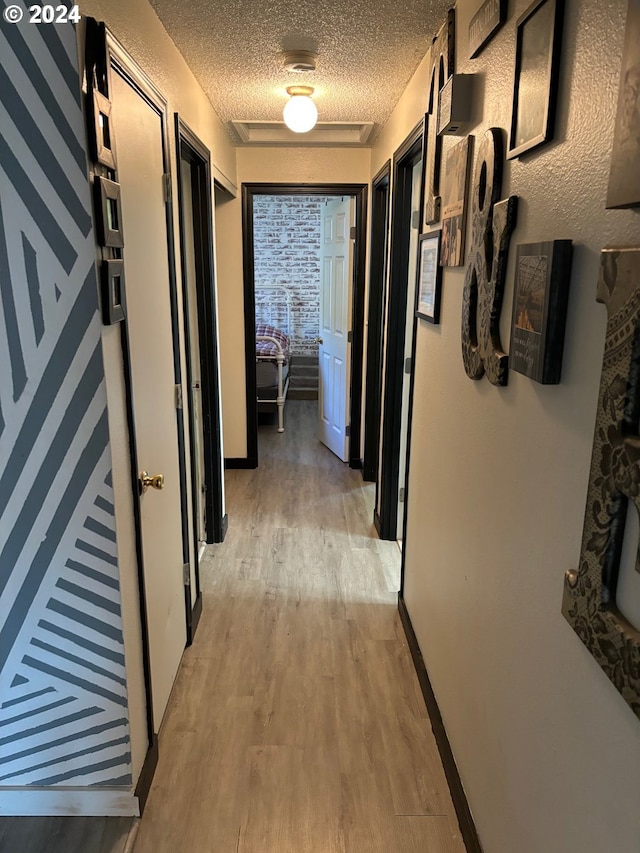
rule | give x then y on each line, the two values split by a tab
286	233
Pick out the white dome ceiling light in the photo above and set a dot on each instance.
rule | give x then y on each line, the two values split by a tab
300	114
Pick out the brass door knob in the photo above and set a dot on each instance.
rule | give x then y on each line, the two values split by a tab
154	481
318	341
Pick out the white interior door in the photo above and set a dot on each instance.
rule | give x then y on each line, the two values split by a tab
138	129
336	265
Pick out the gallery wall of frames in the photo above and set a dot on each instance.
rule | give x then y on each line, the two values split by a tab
468	222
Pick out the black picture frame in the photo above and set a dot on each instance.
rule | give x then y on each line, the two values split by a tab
624	174
538	43
429	283
486	22
540	298
108	213
112	291
102	138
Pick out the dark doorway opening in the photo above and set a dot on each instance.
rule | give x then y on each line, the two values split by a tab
359	192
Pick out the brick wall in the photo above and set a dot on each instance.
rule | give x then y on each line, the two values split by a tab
286	241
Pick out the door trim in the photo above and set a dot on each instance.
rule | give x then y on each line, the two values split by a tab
386	518
378	268
359	191
190	148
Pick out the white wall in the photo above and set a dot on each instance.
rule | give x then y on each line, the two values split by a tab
258	165
547	749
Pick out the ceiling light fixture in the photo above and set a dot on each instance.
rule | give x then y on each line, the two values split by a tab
299	60
300	114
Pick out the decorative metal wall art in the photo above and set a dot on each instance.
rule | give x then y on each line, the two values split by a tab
106	191
589	602
441	68
541	293
492	224
624	177
112	291
108	212
101	140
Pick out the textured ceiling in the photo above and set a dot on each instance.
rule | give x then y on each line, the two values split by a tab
367	52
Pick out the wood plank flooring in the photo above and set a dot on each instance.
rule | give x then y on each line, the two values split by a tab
296	724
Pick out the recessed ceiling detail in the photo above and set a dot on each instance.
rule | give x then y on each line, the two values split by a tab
366	51
324	133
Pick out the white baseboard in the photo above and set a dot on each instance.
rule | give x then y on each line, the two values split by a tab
94	802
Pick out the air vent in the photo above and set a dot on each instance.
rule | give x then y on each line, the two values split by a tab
299	60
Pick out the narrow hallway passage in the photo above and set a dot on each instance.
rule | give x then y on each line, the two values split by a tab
297	724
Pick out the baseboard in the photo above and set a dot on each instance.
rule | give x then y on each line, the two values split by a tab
463	812
241	463
196	613
224	526
377	523
68	802
147	773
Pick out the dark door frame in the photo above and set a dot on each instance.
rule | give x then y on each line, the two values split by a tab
378	267
190	149
386	511
359	191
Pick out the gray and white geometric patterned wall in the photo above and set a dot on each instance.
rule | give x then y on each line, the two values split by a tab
63	697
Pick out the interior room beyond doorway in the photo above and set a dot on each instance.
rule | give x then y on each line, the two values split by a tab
304	308
287	274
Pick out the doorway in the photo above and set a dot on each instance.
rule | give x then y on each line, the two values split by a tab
354	238
400	325
378	269
208	521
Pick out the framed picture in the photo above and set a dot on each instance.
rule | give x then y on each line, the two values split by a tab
429	278
454	203
103	143
535	88
112	291
543	272
624	176
108	212
485	24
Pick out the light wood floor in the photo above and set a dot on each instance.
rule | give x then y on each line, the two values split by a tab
296	724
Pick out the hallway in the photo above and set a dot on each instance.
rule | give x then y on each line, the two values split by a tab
296	724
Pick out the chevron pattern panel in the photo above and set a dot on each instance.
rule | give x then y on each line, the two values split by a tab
63	698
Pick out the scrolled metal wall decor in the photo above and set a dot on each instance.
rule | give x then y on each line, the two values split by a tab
441	62
492	224
589	601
